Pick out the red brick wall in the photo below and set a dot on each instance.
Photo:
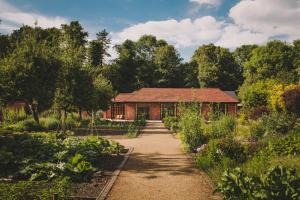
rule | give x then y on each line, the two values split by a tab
107	113
231	108
155	111
130	111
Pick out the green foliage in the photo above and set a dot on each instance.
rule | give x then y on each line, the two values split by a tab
42	156
223	127
79	168
26	125
13	115
50	123
217	68
171	123
191	130
277	183
35	190
289	145
278	123
291	100
133	131
255	94
29	71
271	61
257	129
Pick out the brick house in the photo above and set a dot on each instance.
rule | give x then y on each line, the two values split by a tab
155	103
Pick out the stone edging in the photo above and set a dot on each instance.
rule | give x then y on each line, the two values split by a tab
103	194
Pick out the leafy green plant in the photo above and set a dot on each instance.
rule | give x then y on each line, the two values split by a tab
277	183
223	127
26	125
116	148
133	131
34	190
289	145
191	130
13	115
50	123
171	123
257	130
79	168
278	123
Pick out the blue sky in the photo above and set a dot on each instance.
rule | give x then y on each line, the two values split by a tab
186	24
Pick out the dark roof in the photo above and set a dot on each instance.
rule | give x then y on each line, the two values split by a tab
176	95
232	94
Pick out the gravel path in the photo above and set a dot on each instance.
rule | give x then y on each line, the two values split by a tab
158	169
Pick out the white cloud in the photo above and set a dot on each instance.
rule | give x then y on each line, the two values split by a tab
268	17
234	36
207	2
181	33
13	18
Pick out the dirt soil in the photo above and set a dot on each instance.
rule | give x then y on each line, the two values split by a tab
159	169
99	180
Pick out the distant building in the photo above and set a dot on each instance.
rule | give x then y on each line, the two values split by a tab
156	103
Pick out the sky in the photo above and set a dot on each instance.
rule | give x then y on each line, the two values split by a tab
187	24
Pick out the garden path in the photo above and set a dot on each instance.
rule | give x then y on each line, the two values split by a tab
159	169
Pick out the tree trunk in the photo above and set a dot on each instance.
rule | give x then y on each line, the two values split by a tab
80	114
34	111
63	124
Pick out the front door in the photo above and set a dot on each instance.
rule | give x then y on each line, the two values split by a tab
143	111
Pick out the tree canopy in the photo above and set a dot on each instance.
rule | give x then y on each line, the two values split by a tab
217	68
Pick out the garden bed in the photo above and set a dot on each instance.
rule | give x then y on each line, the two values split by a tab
94	187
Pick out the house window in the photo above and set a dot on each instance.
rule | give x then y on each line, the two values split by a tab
167	109
219	108
118	110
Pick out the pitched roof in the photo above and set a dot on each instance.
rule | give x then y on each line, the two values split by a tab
232	94
176	95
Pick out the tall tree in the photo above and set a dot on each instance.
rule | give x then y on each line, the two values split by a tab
98	49
126	63
271	61
217	68
29	73
243	53
72	48
167	62
296	48
190	74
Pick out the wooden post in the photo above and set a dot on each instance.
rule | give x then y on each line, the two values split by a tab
92	122
55	196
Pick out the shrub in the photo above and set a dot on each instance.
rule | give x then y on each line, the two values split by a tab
35	189
50	123
91	148
85	123
257	130
277	183
192	133
133	131
289	145
79	168
258	112
291	100
26	125
224	152
221	128
13	115
279	123
232	149
171	123
72	122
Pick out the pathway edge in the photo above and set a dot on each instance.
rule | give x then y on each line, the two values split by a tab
103	194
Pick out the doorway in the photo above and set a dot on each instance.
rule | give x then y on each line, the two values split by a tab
143	111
